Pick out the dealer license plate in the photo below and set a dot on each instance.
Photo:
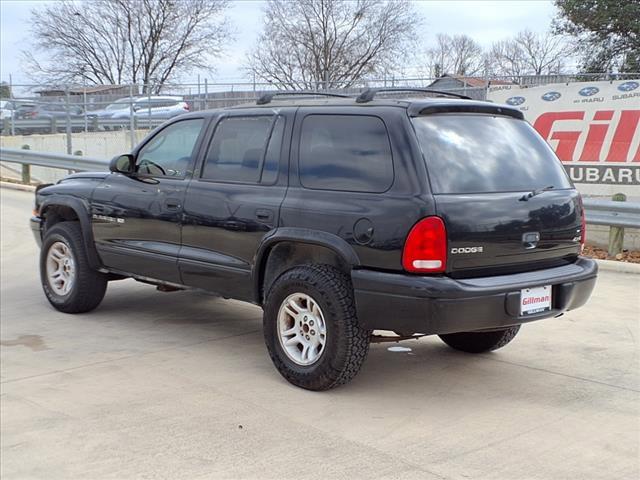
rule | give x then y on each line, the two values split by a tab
535	300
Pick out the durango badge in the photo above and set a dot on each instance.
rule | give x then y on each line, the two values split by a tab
106	218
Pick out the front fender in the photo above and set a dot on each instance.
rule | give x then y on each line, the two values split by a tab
81	208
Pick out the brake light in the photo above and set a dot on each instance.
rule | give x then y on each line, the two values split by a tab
583	228
425	249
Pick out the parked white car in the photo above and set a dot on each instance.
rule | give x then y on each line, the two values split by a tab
154	107
5	112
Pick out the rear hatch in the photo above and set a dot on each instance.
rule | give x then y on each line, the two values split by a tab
506	201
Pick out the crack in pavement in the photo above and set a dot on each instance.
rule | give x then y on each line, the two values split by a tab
125	357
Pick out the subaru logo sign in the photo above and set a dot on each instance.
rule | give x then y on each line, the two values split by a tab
628	86
515	101
588	91
551	96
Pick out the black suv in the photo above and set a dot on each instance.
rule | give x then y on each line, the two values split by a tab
339	216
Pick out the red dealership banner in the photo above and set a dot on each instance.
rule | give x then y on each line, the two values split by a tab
594	127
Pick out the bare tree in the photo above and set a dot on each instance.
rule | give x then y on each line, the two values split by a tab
331	43
125	41
457	54
529	53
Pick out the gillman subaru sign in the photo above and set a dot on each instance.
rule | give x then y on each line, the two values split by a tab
594	127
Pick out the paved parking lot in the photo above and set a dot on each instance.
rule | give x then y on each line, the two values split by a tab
179	385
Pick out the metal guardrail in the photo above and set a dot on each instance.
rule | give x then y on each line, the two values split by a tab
52	160
599	212
614	214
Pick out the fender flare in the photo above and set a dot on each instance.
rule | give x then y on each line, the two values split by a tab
82	212
299	235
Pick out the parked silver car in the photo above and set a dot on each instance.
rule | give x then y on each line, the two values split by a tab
155	107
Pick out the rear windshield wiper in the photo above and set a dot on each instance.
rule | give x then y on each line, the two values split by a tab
533	193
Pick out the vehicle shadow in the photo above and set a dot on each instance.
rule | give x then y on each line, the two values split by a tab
191	317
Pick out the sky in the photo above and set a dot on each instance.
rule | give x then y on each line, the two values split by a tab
485	21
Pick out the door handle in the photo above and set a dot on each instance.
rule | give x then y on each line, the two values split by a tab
264	215
172	203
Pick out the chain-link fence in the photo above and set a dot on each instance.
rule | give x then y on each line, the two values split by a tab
106	120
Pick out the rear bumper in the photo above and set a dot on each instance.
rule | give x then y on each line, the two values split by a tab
439	304
36	227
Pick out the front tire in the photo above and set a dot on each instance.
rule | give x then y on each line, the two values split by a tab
311	330
479	342
69	283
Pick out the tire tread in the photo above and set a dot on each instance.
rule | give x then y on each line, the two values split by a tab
480	342
90	285
335	287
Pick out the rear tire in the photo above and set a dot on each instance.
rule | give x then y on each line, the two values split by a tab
479	342
310	301
68	281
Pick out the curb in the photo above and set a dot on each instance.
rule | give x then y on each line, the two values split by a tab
18	186
620	267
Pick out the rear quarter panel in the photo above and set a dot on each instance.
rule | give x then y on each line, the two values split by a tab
373	224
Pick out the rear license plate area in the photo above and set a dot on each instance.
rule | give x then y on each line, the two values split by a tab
535	300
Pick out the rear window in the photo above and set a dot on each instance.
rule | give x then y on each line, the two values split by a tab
482	153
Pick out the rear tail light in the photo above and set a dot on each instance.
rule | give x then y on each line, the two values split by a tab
583	228
425	249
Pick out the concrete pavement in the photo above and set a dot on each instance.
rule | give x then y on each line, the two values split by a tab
179	385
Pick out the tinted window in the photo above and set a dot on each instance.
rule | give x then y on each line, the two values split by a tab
119	104
482	153
52	108
160	103
345	152
238	151
169	153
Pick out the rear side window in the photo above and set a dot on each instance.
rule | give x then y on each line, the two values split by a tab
482	153
345	152
245	150
164	103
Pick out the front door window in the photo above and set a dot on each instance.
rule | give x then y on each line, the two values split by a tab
169	153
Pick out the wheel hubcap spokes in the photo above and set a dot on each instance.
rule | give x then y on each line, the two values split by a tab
301	329
61	269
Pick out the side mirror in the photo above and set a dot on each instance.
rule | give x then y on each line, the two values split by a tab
123	164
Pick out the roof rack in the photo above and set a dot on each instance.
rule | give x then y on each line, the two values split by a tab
370	93
267	97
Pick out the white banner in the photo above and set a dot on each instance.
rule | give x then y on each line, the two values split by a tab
594	127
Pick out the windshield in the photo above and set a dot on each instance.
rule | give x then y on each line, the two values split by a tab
468	153
119	104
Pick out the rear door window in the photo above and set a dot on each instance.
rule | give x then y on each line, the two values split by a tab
245	150
482	153
345	152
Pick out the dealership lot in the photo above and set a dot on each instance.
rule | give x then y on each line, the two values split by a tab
179	385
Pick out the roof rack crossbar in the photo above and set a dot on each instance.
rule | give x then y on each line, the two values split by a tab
267	97
370	93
